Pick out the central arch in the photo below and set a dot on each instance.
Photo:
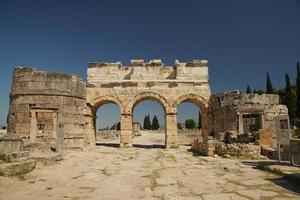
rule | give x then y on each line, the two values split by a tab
144	96
147	96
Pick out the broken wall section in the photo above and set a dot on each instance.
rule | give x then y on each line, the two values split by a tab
245	114
238	121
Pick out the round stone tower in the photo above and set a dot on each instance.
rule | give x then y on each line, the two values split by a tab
47	107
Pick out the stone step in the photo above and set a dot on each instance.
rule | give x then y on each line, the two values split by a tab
73	148
17	156
17	168
46	158
31	147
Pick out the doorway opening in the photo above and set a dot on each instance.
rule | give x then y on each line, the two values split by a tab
108	125
148	124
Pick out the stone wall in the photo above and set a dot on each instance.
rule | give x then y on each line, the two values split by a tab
45	100
215	147
238	150
295	151
10	145
227	111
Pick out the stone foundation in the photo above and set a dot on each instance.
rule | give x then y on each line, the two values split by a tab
215	147
10	145
238	150
295	151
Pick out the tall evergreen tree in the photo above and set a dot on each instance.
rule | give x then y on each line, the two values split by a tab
155	123
148	122
200	120
298	90
290	98
269	86
248	91
145	123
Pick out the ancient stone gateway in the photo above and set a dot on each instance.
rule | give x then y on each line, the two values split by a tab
167	85
50	107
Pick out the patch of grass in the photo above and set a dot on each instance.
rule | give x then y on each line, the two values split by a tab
2	173
3	157
289	177
241	157
271	170
171	157
238	183
21	172
153	176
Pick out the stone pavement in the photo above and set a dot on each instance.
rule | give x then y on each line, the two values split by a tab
147	173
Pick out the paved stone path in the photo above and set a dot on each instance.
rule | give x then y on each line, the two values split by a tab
147	173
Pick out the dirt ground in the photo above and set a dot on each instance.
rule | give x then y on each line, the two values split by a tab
147	171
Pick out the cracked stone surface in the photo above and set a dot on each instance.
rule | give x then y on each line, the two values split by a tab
147	173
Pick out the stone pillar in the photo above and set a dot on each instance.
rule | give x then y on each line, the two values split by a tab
126	130
55	125
33	127
171	130
205	124
241	124
263	121
89	131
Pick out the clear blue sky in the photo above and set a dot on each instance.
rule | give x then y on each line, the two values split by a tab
241	39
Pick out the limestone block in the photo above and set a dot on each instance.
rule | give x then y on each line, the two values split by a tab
15	168
10	144
266	137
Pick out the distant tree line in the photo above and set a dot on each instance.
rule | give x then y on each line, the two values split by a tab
154	125
191	123
289	95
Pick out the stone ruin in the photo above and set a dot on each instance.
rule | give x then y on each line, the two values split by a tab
241	124
50	111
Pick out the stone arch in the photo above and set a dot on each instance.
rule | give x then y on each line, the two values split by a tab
99	101
203	105
198	100
147	96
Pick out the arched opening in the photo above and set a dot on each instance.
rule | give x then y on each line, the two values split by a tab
107	123
192	119
189	122
148	123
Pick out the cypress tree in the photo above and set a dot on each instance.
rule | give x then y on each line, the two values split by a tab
269	86
155	123
298	90
148	122
200	120
248	91
145	123
290	98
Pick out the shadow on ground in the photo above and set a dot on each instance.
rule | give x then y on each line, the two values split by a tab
142	146
288	182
